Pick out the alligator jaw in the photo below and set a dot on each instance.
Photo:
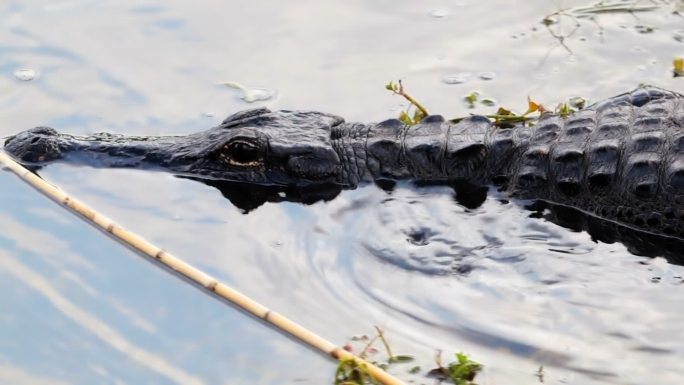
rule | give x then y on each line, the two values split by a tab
42	145
260	147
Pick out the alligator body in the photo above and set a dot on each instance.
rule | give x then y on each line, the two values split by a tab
621	159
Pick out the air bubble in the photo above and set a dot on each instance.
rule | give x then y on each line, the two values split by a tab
25	74
487	75
438	13
456	78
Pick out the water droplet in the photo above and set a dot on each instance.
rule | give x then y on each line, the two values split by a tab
679	35
456	78
487	75
257	94
251	95
438	13
25	74
209	114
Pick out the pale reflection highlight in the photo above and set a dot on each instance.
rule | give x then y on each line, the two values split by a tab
17	376
93	324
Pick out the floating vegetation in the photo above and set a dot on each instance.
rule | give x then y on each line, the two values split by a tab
503	117
350	372
471	98
678	66
644	28
420	111
462	371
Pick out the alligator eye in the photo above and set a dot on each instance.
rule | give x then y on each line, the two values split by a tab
243	152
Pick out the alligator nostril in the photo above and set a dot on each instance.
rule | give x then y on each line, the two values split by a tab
34	140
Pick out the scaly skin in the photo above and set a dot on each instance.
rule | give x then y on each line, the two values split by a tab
621	159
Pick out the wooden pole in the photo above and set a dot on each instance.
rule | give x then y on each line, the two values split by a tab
221	290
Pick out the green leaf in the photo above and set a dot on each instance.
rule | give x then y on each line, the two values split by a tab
401	358
489	102
464	370
471	98
578	102
565	110
405	118
503	111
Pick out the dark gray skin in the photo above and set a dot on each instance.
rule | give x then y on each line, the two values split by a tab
621	159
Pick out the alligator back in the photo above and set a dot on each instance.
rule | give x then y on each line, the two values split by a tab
621	159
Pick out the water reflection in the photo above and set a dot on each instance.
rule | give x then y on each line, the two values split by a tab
437	270
77	308
248	197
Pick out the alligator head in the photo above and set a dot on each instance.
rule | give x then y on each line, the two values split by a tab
255	146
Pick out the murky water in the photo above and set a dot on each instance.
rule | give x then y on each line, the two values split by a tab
503	282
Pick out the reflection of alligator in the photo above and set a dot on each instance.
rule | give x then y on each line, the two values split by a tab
250	196
621	159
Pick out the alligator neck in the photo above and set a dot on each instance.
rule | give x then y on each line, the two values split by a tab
434	150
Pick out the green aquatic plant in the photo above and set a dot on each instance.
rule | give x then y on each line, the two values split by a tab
462	371
350	372
503	117
459	372
420	111
471	98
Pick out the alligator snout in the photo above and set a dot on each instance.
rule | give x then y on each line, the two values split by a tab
36	145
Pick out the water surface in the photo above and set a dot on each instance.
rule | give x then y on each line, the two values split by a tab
502	282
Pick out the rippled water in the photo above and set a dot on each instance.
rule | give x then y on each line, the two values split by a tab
502	281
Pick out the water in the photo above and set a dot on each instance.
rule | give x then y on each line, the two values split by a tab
501	282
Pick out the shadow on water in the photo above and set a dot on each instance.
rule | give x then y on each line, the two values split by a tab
248	197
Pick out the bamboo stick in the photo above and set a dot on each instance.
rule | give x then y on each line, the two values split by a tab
219	289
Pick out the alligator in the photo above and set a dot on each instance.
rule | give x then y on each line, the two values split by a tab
620	160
